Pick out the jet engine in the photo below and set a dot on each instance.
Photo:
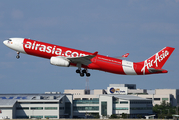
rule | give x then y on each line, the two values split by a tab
58	61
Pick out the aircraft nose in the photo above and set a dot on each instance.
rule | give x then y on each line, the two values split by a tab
5	42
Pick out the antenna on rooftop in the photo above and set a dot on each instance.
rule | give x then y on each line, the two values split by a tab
87	90
87	84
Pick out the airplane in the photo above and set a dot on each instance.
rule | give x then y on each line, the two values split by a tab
65	57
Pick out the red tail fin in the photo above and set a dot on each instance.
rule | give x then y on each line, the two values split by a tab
157	60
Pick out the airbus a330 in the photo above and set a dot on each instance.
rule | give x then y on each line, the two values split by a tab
65	57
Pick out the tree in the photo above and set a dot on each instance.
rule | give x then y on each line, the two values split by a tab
165	110
124	115
139	116
97	116
113	116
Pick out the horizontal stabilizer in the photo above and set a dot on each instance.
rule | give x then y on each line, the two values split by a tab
153	70
123	56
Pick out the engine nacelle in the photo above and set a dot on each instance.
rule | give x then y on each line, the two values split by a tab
59	62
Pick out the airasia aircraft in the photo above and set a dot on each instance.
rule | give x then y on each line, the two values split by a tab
65	57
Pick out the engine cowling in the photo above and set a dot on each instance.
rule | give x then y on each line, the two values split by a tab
59	62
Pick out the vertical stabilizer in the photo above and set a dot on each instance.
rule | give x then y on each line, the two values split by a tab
157	60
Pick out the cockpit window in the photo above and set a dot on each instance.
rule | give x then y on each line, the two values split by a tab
9	41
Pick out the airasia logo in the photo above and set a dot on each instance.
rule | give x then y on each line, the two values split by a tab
51	49
154	62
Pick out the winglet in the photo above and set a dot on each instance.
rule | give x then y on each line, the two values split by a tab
125	55
95	53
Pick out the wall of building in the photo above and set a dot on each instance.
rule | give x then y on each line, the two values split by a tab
36	106
142	107
69	105
122	106
174	92
6	112
109	104
37	109
157	99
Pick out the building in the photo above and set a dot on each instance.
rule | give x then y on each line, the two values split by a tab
104	103
157	96
14	106
54	105
117	99
128	104
169	95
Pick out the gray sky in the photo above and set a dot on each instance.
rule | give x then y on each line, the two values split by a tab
111	27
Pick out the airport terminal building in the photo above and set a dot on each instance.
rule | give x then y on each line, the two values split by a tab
117	99
43	106
16	106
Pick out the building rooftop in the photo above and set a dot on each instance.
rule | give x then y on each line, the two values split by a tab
8	100
127	97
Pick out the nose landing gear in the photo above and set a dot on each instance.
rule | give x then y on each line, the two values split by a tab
18	56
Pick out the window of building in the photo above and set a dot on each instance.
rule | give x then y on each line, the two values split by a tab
96	99
62	108
141	108
156	98
141	102
51	102
38	117
86	108
24	102
166	99
36	108
22	117
5	108
68	108
121	108
93	101
50	108
77	99
84	98
123	102
22	108
51	116
104	108
38	102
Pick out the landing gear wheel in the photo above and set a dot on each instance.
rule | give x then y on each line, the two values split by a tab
88	74
82	74
77	71
17	56
84	71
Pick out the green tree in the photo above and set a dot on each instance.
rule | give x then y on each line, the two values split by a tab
165	110
113	116
124	115
96	116
139	116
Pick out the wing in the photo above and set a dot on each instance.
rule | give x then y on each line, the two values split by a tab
85	60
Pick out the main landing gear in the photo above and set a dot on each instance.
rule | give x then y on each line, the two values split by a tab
18	56
83	72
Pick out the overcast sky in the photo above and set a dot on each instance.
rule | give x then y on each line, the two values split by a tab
111	27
